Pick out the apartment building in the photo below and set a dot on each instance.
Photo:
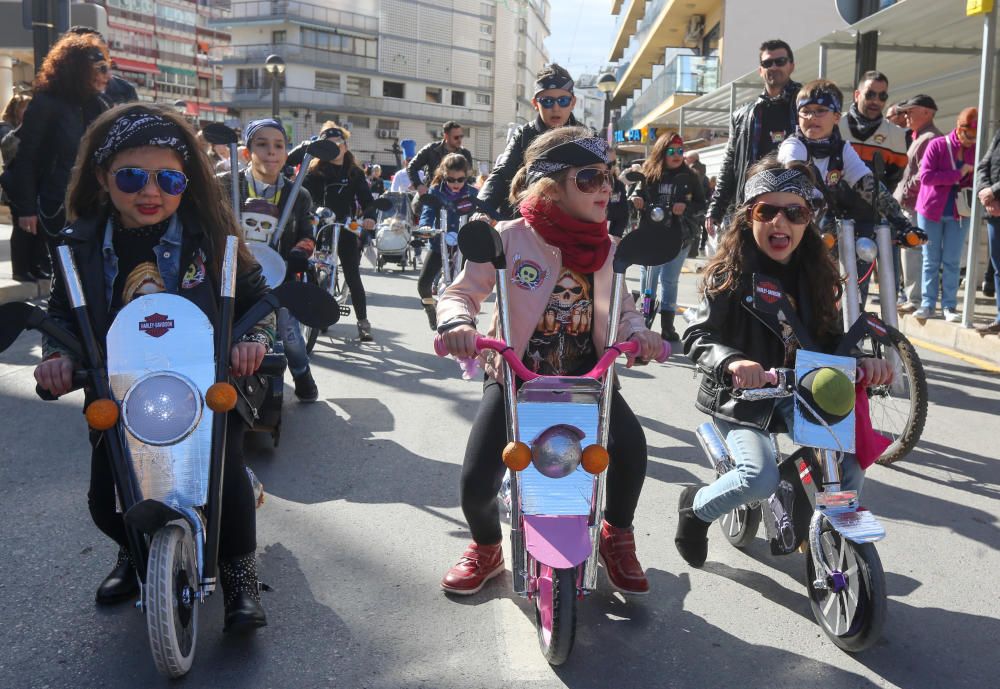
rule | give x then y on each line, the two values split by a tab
386	69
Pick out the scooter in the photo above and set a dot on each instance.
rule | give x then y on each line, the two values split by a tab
557	455
809	511
160	398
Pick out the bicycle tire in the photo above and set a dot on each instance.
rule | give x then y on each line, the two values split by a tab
905	435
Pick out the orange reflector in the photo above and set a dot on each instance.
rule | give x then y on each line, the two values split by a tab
101	414
595	459
221	397
517	456
829	239
913	239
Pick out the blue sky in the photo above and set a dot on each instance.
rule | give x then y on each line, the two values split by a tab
582	31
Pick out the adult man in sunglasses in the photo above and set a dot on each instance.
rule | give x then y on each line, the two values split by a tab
756	128
869	132
554	101
430	156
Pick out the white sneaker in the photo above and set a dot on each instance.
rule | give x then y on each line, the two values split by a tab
922	314
952	316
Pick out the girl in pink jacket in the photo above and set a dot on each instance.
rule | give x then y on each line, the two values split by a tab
560	266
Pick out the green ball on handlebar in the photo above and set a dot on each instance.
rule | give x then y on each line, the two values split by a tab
828	391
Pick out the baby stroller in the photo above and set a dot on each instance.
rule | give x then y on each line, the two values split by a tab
394	232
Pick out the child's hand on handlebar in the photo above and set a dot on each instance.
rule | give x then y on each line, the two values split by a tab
679	208
747	375
650	345
461	341
877	371
55	375
368	224
638	202
245	358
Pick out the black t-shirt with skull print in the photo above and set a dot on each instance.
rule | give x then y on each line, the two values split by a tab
562	343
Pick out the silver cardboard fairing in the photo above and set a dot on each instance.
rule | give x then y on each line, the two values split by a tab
271	263
547	402
807	430
165	332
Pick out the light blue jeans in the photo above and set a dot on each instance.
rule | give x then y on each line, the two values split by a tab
756	474
942	252
669	275
292	343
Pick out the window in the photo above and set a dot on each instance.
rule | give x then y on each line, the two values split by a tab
247	79
338	43
485	64
483	99
388	124
433	95
328	81
359	122
486	29
458	98
393	89
279	37
522	25
358	86
203	88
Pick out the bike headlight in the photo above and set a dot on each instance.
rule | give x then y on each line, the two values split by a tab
162	408
866	249
556	452
657	214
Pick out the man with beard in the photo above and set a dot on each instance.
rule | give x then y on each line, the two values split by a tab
869	132
756	129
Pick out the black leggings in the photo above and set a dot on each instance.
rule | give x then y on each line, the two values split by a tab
28	251
429	273
238	531
483	468
349	252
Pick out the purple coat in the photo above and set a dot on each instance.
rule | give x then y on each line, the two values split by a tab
938	175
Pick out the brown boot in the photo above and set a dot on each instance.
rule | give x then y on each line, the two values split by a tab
617	550
478	564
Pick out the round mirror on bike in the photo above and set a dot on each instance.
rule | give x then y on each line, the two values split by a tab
646	247
323	149
219	134
480	243
13	321
309	303
634	177
271	263
430	200
381	204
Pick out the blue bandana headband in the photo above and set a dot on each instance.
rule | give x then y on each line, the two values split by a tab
254	126
823	98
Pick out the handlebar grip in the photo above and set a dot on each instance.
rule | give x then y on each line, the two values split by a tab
439	346
664	353
772	376
273	365
80	379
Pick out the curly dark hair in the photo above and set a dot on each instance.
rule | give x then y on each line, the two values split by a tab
68	69
820	281
203	198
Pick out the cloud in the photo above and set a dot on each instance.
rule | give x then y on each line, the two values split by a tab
582	32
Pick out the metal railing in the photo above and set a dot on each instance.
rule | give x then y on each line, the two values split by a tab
686	74
275	9
292	53
653	9
359	104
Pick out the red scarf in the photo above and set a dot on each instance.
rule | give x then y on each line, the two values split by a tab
584	245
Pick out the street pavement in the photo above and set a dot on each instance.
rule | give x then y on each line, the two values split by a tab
362	520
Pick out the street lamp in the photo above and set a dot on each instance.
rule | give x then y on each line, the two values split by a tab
275	66
606	84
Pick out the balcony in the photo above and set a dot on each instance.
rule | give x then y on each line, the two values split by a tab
271	11
686	75
294	54
664	25
630	12
362	105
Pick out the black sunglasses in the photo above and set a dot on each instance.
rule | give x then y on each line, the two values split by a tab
881	95
772	61
131	180
455	180
591	180
103	69
767	212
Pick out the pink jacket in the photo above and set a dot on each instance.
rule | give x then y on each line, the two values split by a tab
938	174
532	269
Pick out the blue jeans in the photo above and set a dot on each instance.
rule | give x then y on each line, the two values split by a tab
669	275
994	234
756	474
942	252
292	343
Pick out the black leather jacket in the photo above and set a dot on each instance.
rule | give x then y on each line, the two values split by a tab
988	169
739	153
299	223
343	189
727	328
496	190
681	185
618	209
429	157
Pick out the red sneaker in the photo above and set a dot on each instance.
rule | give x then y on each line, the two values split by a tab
478	564
617	551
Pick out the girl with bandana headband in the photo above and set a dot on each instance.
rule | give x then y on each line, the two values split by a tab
146	214
774	233
561	272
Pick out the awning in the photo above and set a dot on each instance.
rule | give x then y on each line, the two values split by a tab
135	65
178	70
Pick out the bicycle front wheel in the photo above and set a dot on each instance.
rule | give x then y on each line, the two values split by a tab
899	410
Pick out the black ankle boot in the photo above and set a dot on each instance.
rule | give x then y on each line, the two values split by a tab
305	387
692	533
241	592
121	584
667	331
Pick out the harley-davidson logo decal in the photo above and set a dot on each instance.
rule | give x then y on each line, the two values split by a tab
769	292
156	325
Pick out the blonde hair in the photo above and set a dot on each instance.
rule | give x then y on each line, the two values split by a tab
519	187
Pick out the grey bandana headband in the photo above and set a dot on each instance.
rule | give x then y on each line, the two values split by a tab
781	180
576	153
137	128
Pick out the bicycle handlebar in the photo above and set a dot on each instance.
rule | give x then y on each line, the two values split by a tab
522	372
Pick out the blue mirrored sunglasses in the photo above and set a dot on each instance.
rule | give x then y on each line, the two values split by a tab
548	101
131	180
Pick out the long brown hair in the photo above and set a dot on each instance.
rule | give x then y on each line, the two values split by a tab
68	71
203	198
453	162
820	277
656	163
14	110
519	188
